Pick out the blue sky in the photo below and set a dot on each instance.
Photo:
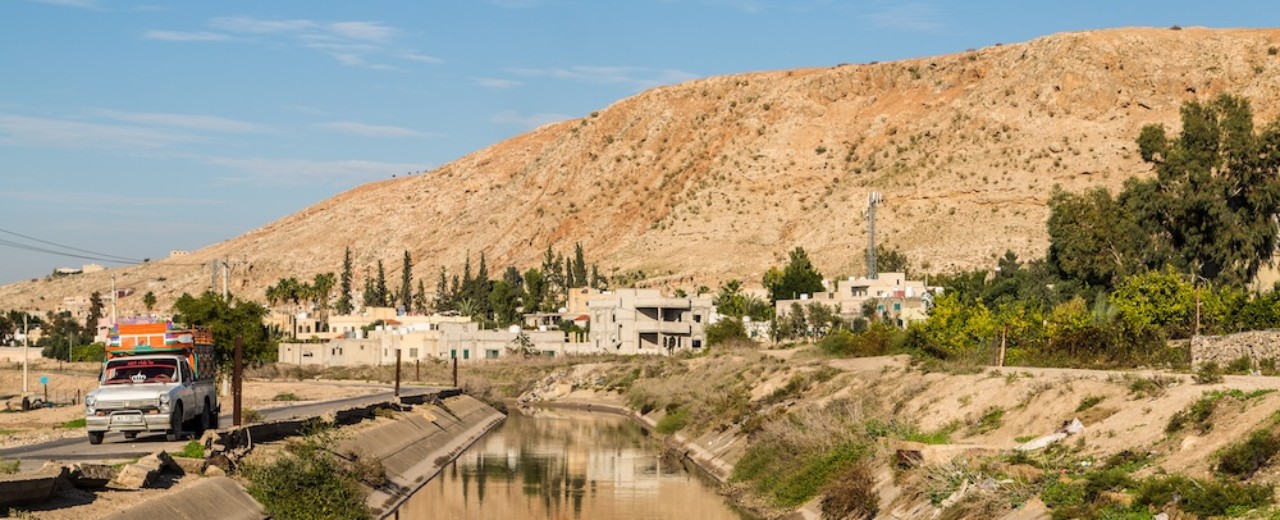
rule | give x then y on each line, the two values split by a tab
132	127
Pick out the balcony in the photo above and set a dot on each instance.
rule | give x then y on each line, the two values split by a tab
664	327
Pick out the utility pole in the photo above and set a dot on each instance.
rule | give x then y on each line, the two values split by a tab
114	296
873	200
236	381
224	278
397	374
26	345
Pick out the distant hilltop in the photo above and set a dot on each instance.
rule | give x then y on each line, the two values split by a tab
717	178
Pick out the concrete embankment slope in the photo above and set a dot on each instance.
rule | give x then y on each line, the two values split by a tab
217	497
414	448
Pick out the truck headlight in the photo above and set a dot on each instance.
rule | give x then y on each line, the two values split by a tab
90	401
164	403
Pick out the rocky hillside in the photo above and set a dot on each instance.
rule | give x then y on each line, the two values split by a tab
717	178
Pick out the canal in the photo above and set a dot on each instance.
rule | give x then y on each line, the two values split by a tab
566	464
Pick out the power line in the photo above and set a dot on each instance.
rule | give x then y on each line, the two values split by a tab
120	259
29	247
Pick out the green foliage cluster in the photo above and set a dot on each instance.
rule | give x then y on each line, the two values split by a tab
502	301
731	301
1208	210
228	318
790	477
307	481
1208	374
1243	459
798	277
725	330
674	421
192	450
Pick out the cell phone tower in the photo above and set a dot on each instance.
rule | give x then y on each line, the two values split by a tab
873	200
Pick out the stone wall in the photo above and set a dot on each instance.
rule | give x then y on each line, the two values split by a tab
1256	345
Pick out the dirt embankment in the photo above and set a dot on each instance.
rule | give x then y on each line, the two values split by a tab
968	424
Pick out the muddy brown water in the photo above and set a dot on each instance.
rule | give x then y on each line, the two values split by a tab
568	464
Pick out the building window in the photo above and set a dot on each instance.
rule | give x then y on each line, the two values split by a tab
697	343
453	354
697	318
466	354
491	353
413	353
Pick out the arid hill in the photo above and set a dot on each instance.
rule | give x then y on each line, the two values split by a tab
718	178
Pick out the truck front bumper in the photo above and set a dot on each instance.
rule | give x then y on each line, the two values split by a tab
127	421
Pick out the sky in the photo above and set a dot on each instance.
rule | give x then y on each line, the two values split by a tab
132	127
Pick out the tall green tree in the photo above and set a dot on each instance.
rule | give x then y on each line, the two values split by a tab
420	305
406	283
321	289
579	269
370	298
228	318
1095	239
505	301
534	290
443	300
1217	189
149	301
95	314
799	277
344	305
381	295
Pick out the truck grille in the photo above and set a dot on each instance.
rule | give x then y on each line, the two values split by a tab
131	404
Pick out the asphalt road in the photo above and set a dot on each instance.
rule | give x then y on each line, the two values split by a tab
115	446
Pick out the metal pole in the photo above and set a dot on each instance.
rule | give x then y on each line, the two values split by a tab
455	371
397	373
26	346
236	381
417	370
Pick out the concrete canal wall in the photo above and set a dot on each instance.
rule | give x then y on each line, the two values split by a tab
421	442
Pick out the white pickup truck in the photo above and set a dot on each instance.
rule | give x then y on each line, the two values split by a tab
149	384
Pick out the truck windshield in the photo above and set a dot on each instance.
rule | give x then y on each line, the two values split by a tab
132	371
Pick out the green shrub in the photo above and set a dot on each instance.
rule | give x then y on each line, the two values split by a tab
724	330
1089	402
992	418
1240	365
9	467
673	421
286	396
1198	414
74	423
192	450
1208	374
1243	459
1202	497
307	481
1154	386
1061	495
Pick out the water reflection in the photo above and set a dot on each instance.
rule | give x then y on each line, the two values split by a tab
544	463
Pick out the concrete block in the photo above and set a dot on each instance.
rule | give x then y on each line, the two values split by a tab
91	476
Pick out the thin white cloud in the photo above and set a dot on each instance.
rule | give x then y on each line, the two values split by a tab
910	17
638	77
526	121
355	43
198	122
61	133
81	4
413	56
497	83
250	25
185	36
361	129
371	31
301	171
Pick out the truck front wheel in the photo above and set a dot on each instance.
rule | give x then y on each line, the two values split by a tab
175	424
96	437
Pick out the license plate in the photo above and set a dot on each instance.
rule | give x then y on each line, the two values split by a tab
126	418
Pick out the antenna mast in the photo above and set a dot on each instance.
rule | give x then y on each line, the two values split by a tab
873	200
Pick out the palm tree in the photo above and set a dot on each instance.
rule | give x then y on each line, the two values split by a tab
321	288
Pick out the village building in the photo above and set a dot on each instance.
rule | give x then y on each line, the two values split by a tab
642	321
897	299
